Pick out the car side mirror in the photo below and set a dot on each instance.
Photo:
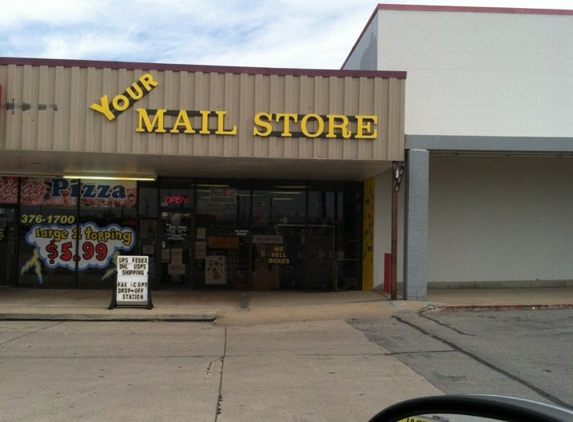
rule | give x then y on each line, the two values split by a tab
472	408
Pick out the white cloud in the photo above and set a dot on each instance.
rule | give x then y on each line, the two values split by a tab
22	13
278	33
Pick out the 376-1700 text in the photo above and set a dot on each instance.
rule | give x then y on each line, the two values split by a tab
50	219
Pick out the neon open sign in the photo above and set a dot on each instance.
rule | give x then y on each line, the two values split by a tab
182	199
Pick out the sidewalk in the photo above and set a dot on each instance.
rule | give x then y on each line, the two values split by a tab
251	308
252	357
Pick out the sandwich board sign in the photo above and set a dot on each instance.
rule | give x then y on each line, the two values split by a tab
132	284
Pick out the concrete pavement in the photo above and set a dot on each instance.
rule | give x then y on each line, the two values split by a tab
252	308
281	355
161	371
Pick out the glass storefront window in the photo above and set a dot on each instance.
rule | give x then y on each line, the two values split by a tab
107	229
320	253
349	236
334	231
176	194
48	233
47	246
208	233
71	231
176	247
8	190
148	206
8	241
147	200
279	203
177	212
279	219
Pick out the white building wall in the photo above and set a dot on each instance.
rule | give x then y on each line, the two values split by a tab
493	218
498	219
481	74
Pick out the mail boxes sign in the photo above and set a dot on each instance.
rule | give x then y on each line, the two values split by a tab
132	286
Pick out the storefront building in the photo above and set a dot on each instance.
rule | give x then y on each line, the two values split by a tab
226	178
489	143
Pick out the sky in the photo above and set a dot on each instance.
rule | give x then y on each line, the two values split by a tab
316	34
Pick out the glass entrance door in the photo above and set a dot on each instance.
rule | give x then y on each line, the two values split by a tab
176	237
7	246
223	247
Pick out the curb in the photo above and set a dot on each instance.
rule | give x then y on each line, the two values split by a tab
93	317
454	308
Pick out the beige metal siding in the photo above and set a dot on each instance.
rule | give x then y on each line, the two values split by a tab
52	112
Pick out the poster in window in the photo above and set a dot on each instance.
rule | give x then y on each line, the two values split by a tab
8	190
222	196
216	269
73	247
66	192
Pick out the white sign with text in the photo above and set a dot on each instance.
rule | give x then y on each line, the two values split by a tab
132	280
